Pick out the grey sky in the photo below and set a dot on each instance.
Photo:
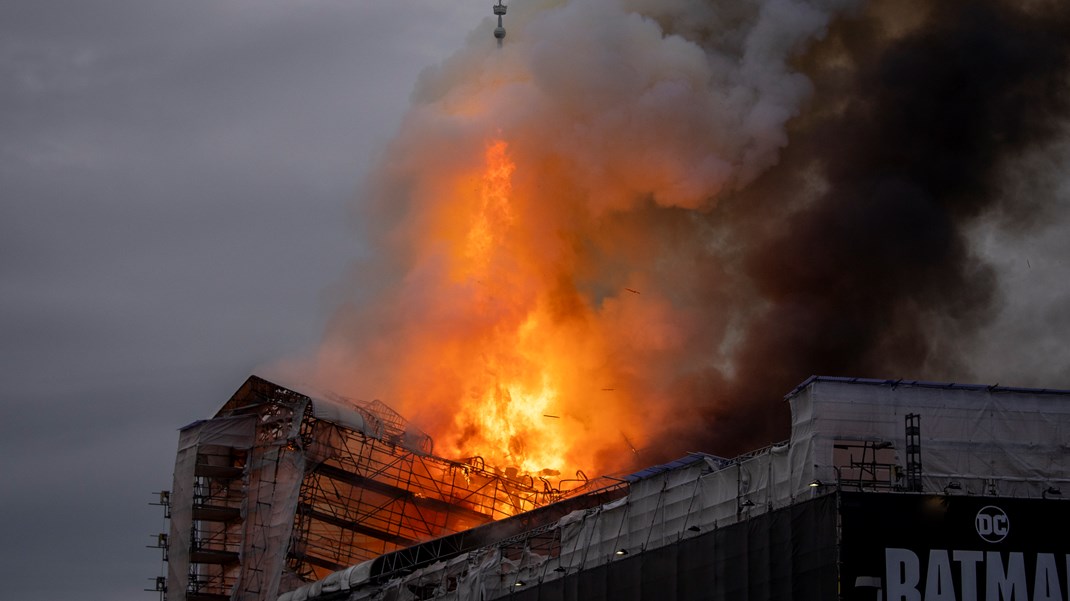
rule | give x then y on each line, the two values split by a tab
175	178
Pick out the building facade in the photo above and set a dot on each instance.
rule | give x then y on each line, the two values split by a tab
886	490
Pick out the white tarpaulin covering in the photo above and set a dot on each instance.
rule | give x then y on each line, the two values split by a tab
234	432
344	415
990	440
275	476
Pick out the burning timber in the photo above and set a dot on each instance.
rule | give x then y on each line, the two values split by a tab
886	490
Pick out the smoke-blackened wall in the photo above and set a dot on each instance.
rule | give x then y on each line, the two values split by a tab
651	219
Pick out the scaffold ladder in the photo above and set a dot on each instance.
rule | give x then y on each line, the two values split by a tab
913	435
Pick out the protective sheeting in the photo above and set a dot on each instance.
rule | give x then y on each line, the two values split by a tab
281	488
223	433
640	536
763	525
373	419
274	481
236	484
987	440
784	554
789	553
677	505
343	415
339	581
274	472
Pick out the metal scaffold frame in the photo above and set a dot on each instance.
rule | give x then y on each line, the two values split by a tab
215	534
371	495
281	488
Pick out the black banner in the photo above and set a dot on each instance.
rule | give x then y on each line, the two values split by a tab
906	547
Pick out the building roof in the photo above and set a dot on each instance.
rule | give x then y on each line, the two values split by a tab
921	384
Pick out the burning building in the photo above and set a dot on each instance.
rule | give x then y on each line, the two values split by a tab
281	488
895	490
650	218
633	227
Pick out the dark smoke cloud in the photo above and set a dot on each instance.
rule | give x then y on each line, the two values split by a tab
711	202
902	150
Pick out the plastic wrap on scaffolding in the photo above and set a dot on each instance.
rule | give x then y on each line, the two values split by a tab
784	554
232	432
274	474
990	440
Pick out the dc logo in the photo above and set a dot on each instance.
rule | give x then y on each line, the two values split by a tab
992	524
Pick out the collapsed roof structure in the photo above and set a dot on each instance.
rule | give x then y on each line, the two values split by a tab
280	488
283	497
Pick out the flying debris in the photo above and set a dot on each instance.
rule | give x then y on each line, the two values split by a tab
499	31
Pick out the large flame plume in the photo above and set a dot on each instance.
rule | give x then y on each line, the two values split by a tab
640	222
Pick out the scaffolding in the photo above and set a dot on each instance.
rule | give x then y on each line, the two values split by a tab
281	488
913	437
866	465
808	518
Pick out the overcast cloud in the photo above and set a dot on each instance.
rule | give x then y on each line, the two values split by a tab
175	182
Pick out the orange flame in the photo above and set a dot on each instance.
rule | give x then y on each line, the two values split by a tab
500	339
549	302
508	417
